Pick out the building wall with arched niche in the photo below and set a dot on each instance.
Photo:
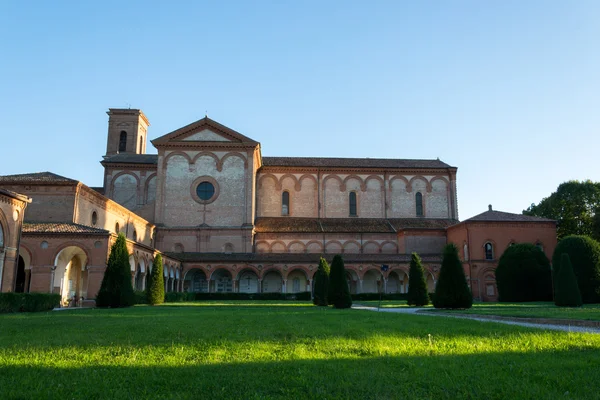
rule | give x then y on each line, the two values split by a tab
12	209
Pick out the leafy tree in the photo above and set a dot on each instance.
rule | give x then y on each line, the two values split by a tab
417	286
339	293
116	289
523	274
321	284
452	290
156	293
573	206
567	291
584	254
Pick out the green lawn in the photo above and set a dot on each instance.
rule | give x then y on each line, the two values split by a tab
281	350
533	310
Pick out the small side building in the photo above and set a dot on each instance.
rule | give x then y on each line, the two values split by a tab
482	239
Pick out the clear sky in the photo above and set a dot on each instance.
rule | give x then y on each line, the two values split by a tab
507	91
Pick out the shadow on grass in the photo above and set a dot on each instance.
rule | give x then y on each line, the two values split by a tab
535	375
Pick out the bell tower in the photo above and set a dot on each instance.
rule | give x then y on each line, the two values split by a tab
127	130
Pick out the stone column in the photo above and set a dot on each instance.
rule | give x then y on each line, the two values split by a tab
259	285
284	286
309	286
360	286
385	286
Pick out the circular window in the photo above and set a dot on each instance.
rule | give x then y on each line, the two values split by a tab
205	191
94	218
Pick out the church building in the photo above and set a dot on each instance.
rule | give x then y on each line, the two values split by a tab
228	219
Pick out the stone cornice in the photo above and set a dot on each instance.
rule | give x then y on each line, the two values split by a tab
353	170
206	146
128	166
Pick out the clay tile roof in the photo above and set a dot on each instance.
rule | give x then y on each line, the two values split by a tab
351	162
15	195
124	158
60	228
291	258
346	225
500	216
37	177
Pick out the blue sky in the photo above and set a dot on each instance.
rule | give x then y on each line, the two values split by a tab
507	91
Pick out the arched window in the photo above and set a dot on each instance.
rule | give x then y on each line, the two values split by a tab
141	144
489	251
285	203
465	252
419	203
94	218
135	235
117	227
352	204
123	142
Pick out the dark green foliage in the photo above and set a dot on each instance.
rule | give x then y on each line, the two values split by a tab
584	254
566	290
321	284
452	290
573	206
339	292
28	302
141	297
523	274
179	297
156	292
303	296
116	289
417	286
148	284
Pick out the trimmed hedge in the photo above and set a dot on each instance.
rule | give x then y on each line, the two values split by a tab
253	296
339	292
567	291
417	285
116	289
321	284
179	297
584	254
28	302
452	289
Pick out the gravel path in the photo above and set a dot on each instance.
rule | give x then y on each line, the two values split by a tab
419	311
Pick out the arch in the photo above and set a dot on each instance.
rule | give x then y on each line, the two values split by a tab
122	141
194	281
489	250
352	279
272	283
114	178
178	248
27	255
389	247
371	247
372	281
178	153
247	280
139	278
296	246
298	268
363	185
297	280
232	154
265	176
331	243
346	249
70	274
262	246
439	178
309	176
228	248
4	232
402	178
397	281
247	268
337	178
277	243
419	177
285	202
430	280
148	195
209	154
293	177
377	178
71	243
314	244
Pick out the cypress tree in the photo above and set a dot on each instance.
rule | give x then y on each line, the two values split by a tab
452	290
116	289
339	292
148	283
156	293
584	253
417	286
321	284
567	290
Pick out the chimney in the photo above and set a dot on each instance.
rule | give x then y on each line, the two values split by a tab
490	207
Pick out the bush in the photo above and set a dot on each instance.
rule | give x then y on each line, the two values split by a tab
339	293
252	296
156	291
452	290
584	254
179	297
321	284
28	302
417	286
140	297
523	274
116	289
566	290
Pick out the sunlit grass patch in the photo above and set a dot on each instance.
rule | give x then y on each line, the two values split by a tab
277	350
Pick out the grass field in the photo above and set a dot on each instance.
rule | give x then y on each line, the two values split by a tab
271	350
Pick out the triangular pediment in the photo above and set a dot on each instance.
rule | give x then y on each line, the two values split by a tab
203	131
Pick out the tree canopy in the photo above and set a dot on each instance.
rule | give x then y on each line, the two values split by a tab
575	206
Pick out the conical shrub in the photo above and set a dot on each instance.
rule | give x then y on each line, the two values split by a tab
566	291
116	289
452	290
417	286
339	292
584	253
156	292
321	284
